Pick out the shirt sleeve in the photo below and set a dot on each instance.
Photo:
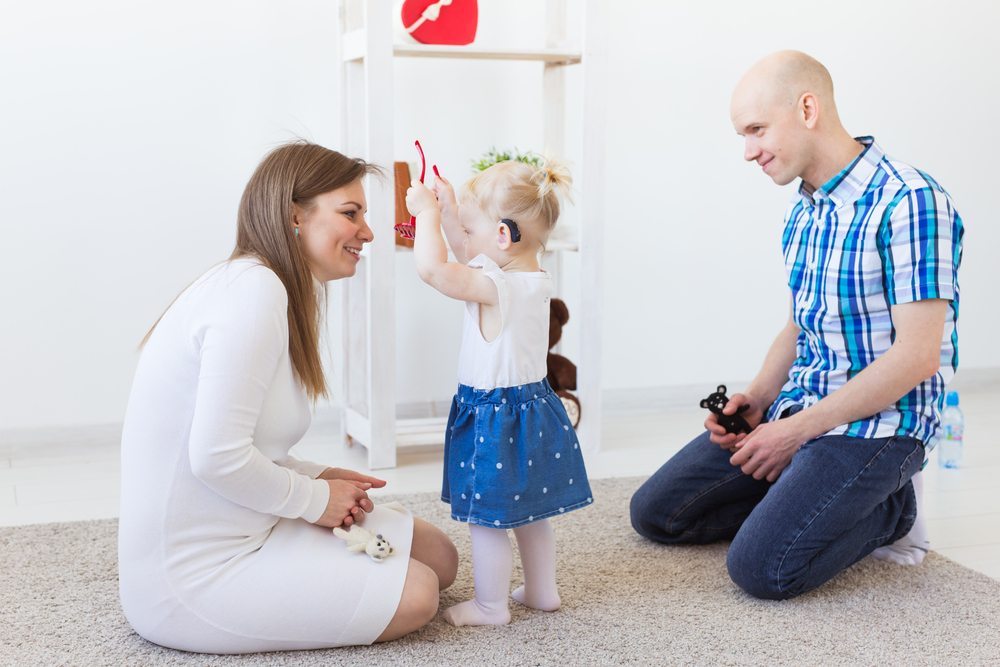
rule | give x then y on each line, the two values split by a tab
921	246
241	335
307	468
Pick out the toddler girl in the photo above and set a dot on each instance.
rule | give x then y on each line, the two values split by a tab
512	458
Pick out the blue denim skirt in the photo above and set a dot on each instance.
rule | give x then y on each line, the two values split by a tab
511	457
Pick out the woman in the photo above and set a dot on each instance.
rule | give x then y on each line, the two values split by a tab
225	542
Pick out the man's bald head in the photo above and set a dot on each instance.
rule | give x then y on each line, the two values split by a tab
784	107
784	77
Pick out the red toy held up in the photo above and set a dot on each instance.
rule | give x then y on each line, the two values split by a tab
408	230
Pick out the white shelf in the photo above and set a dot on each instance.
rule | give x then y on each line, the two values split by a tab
367	53
553	56
355	43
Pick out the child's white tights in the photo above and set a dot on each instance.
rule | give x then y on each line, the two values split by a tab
492	561
537	544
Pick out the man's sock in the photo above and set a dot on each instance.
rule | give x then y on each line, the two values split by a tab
911	548
492	560
537	544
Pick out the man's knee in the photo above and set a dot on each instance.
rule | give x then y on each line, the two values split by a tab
752	562
642	510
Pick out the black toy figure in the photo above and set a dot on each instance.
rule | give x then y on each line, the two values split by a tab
732	423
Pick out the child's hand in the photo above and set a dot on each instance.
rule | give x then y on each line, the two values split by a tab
445	194
419	198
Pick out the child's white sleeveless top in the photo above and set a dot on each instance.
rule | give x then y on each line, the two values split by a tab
517	355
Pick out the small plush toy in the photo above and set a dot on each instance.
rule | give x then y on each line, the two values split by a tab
732	423
561	371
359	539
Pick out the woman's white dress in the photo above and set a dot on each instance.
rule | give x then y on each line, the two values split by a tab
216	550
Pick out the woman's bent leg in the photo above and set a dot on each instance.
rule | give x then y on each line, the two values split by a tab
417	604
435	550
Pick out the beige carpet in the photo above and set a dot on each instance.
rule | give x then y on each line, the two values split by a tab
626	601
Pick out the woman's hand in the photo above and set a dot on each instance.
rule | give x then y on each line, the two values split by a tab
347	500
419	198
364	482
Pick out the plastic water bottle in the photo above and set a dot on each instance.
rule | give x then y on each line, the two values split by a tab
952	423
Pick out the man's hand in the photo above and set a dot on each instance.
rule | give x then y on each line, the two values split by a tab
768	450
753	415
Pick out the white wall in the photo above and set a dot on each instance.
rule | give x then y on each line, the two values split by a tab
128	130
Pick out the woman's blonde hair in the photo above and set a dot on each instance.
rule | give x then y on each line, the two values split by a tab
297	172
521	192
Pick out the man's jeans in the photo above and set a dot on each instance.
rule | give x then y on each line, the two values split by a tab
839	499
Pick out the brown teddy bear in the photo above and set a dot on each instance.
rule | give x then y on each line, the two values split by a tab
562	371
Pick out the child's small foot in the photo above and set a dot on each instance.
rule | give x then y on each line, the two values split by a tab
548	601
912	547
471	612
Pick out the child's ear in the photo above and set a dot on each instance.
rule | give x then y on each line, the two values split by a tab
503	237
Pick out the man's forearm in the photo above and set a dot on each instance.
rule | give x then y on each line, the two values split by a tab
774	373
913	357
885	381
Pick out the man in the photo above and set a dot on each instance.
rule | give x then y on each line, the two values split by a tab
849	394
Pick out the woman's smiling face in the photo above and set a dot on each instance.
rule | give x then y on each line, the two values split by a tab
333	230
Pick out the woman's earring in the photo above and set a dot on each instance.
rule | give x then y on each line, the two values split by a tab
296	231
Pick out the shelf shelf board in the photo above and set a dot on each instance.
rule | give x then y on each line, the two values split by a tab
555	56
354	46
552	246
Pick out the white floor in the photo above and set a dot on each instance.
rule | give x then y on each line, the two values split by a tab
75	478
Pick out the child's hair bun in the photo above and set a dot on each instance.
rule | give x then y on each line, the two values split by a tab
554	177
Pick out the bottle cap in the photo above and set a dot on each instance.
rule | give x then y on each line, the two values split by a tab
952	398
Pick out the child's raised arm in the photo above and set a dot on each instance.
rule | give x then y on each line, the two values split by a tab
448	205
450	278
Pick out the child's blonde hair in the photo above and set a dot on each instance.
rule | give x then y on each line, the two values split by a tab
521	192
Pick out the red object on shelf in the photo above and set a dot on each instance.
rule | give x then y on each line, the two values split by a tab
408	230
452	22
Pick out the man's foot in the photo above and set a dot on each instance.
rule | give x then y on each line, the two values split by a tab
912	547
471	612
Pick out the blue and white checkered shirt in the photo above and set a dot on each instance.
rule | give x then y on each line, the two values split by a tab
879	233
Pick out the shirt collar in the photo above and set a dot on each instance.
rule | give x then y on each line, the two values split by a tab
855	177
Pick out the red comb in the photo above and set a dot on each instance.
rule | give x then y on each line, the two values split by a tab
408	231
